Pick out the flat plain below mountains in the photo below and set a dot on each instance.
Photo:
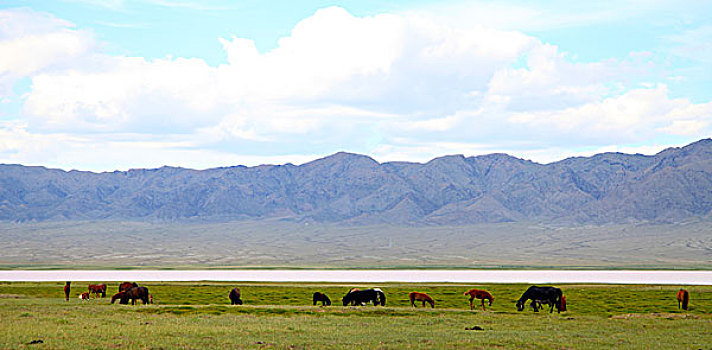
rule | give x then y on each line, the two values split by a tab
285	244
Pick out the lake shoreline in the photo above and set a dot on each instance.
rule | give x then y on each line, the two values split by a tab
652	277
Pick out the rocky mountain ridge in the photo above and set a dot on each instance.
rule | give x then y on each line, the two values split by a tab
673	185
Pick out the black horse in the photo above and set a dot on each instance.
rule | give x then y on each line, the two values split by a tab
361	297
551	295
134	293
235	296
318	296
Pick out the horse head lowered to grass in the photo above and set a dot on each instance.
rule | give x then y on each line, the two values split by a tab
479	294
550	295
321	297
134	293
234	296
362	297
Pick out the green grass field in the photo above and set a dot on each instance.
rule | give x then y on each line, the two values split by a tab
280	316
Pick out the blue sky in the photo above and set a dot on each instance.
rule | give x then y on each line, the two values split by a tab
118	84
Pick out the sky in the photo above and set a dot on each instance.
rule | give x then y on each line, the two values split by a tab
104	85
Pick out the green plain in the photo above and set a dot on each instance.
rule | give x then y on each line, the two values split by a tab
197	315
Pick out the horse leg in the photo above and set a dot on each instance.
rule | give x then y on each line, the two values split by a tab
483	305
472	305
423	303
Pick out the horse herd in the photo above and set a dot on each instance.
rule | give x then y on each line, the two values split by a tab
127	291
539	296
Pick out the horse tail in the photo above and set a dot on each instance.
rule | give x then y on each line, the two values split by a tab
563	303
685	299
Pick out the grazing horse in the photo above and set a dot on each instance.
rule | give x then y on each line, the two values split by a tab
84	296
234	296
539	304
552	296
683	297
98	289
361	297
117	296
479	294
67	288
413	296
134	293
126	285
353	302
318	296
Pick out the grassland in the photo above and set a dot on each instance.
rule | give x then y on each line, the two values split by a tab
280	316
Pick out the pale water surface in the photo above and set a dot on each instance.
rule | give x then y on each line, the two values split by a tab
463	276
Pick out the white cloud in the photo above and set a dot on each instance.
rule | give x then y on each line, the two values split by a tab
636	115
398	86
31	42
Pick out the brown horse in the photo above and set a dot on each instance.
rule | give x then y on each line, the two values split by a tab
413	296
67	288
140	293
117	296
683	297
98	289
319	296
84	296
126	285
234	296
479	294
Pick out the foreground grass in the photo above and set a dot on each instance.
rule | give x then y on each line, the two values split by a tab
278	315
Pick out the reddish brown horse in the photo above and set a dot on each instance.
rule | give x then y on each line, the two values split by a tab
84	296
126	285
683	297
67	288
417	296
479	294
117	296
97	289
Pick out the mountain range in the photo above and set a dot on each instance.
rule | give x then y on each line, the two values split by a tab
353	189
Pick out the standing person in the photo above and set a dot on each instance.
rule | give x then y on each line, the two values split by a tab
66	290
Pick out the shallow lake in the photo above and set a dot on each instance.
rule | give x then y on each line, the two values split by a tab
463	276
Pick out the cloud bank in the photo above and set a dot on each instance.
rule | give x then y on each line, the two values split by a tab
394	86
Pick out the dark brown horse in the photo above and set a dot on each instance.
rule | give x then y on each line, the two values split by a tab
97	289
126	285
413	296
67	288
683	297
234	296
319	296
140	293
479	294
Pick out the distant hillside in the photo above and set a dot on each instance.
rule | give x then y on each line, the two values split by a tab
670	186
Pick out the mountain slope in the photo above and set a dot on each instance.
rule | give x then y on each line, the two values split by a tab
672	185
